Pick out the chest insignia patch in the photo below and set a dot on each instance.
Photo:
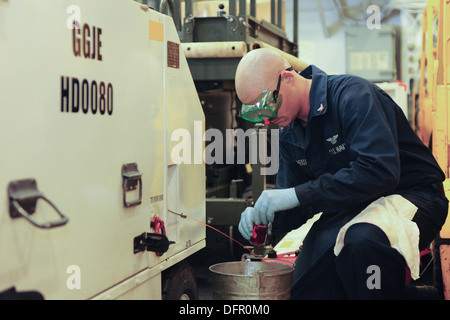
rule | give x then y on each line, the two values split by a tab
333	139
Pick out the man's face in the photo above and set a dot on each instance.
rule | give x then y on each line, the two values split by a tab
267	106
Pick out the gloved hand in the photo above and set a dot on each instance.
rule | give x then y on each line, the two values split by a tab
246	223
265	207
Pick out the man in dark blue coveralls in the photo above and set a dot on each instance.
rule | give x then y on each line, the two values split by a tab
344	143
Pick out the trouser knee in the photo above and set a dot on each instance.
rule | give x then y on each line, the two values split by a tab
360	236
368	256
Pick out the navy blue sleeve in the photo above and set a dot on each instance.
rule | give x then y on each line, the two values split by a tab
368	125
288	176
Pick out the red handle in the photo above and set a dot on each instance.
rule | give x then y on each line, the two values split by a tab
158	226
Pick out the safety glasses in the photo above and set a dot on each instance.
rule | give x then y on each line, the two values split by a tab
266	105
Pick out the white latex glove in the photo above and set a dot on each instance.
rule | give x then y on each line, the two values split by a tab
263	213
271	201
246	223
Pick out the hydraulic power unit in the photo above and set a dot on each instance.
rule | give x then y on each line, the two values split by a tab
90	94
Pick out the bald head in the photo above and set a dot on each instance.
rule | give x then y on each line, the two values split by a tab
257	71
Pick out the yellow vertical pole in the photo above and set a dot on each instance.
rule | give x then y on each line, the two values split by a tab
422	89
442	100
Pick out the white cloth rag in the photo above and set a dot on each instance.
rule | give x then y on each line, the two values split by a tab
393	215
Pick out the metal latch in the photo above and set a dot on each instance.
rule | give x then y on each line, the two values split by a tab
131	181
23	196
154	242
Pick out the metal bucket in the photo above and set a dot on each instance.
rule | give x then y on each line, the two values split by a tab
252	280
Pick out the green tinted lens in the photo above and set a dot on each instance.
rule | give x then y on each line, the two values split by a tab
262	107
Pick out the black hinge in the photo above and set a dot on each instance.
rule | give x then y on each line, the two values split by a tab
154	242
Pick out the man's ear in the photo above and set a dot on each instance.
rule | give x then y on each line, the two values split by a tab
287	77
